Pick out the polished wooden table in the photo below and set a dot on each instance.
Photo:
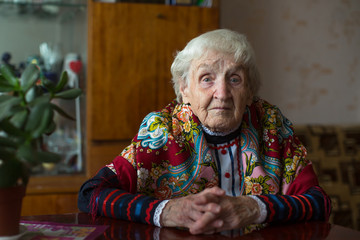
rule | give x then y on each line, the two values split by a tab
119	229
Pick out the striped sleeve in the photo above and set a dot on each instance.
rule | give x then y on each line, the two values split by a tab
102	196
314	204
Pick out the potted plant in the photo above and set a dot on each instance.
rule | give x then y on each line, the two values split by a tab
26	115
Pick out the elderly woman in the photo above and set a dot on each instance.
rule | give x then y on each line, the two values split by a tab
218	158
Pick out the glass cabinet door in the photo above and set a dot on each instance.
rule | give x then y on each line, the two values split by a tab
53	35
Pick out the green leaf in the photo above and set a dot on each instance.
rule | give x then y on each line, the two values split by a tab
10	129
4	98
62	112
27	153
29	77
39	119
62	83
36	93
7	102
69	94
51	128
49	85
45	122
43	99
18	119
31	94
36	113
8	74
4	85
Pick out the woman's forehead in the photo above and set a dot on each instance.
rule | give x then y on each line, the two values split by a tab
217	61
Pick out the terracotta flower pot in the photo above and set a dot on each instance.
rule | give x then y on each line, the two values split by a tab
10	210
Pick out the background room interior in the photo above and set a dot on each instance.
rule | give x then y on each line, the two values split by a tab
308	53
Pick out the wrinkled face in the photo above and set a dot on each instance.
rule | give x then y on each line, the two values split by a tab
217	91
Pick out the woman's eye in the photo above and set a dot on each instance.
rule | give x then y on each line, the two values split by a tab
205	79
235	79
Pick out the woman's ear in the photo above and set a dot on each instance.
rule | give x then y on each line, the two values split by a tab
184	90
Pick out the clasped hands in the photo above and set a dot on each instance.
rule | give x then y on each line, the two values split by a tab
210	211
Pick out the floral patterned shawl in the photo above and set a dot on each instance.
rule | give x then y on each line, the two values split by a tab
169	157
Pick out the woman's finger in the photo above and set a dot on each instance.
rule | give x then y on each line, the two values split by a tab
209	195
207	223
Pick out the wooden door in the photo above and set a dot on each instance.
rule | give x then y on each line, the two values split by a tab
131	47
130	51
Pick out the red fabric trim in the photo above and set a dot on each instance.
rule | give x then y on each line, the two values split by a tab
129	206
105	201
113	203
151	205
290	208
303	207
271	207
303	182
239	168
310	207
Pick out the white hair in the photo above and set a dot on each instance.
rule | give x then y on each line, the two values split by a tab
221	40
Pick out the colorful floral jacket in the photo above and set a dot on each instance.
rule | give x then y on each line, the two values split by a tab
170	158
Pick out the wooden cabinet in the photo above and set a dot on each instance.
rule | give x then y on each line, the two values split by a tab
52	194
130	51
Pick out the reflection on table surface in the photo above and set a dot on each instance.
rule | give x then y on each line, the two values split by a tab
119	229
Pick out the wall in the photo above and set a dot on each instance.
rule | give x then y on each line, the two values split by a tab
308	53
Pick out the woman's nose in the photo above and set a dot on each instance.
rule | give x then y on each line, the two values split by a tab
221	90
